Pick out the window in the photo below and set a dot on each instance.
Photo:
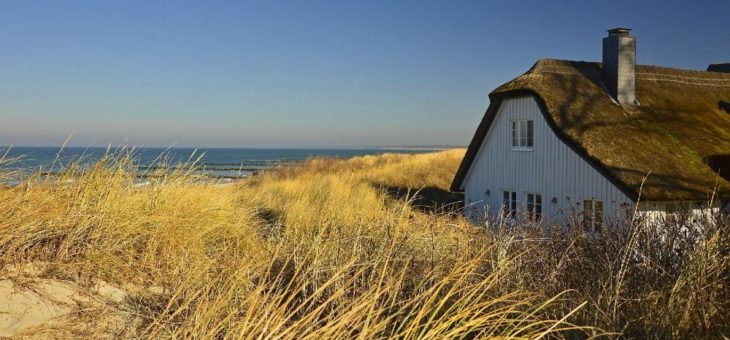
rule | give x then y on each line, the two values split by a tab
534	207
522	134
509	204
592	214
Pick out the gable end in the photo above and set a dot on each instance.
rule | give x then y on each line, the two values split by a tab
496	100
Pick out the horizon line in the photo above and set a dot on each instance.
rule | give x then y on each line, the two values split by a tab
393	146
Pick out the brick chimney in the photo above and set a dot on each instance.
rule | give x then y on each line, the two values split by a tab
619	62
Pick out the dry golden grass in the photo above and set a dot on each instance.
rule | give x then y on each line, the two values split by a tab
314	252
329	250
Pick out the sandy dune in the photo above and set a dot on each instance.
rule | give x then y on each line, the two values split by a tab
33	307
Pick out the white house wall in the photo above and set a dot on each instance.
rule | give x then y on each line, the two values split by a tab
694	210
551	169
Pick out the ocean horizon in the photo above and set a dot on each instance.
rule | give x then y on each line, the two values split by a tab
216	162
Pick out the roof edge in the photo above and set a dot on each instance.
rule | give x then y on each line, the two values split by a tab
476	141
496	99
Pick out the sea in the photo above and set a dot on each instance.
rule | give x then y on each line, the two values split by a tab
218	163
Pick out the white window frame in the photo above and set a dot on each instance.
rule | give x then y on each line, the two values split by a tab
521	139
509	203
533	206
592	217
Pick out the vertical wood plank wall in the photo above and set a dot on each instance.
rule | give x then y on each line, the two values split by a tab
551	169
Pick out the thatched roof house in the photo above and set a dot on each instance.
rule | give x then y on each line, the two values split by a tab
672	125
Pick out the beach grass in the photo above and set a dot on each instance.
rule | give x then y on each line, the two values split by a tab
368	247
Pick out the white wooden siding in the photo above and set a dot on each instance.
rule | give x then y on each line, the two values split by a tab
551	169
696	210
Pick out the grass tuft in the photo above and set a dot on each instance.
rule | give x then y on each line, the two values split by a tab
350	249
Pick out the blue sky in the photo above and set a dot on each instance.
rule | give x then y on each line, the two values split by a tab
304	73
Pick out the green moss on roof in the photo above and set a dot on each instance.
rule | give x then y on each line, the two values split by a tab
679	123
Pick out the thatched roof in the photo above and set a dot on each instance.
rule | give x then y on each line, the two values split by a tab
683	118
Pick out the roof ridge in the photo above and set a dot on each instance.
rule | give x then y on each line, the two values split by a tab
663	70
683	77
553	62
687	82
